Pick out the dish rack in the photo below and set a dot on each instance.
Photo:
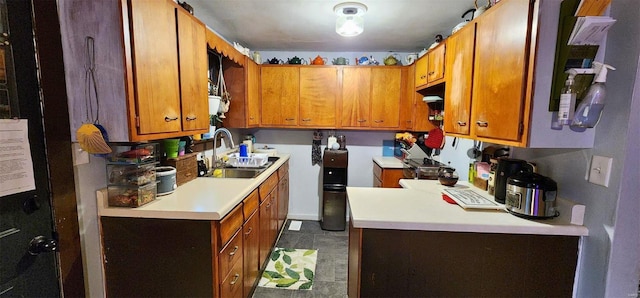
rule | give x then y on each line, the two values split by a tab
254	160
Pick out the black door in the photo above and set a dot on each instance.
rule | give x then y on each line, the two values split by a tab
28	257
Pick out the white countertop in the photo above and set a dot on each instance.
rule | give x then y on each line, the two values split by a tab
204	198
388	162
419	206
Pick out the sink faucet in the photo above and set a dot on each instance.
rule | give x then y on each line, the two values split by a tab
215	133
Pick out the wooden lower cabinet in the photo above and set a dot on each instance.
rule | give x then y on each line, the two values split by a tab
457	264
283	195
154	257
267	227
388	178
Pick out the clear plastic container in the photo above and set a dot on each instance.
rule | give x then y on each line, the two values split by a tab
131	196
133	153
131	174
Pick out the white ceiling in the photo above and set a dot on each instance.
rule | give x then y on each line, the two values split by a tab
309	25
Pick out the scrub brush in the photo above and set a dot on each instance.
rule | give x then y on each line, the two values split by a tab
90	139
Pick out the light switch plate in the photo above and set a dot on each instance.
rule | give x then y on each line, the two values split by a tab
80	156
600	170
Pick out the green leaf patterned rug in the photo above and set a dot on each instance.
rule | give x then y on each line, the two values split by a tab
290	268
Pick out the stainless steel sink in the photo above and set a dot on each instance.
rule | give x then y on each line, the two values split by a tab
239	172
235	173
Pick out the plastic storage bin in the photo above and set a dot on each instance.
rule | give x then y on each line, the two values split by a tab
133	153
131	196
131	174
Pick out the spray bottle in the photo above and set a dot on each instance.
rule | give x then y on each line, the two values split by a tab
588	112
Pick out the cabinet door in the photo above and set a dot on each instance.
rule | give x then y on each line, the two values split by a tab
499	79
273	224
251	252
435	66
356	97
386	92
459	61
280	89
192	46
155	51
283	200
318	96
265	230
421	71
253	94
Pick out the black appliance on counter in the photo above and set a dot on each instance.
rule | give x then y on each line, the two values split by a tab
334	189
421	168
506	168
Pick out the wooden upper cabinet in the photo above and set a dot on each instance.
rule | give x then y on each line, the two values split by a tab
192	47
318	96
386	93
356	97
155	66
280	89
435	66
459	64
253	94
500	71
421	71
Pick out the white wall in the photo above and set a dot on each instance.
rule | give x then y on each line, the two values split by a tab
610	262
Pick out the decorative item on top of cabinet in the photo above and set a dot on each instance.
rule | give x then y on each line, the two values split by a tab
459	75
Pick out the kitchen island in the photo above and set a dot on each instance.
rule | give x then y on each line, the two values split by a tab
211	237
411	243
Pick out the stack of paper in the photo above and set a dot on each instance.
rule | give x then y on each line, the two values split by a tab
590	30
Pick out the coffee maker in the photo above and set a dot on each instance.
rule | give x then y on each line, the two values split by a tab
507	167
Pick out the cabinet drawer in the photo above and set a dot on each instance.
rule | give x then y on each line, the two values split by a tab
377	171
231	254
268	185
186	176
231	286
230	224
250	204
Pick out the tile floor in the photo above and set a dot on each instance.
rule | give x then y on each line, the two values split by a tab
331	267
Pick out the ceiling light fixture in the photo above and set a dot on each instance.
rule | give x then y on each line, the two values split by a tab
350	21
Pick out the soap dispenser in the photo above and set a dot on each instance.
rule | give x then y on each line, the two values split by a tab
567	99
589	110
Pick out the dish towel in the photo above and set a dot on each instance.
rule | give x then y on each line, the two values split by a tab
316	152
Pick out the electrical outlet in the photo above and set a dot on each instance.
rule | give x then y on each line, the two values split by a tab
600	170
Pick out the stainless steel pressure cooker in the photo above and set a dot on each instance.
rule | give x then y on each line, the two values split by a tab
531	195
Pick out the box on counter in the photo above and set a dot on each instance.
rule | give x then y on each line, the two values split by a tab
480	183
131	196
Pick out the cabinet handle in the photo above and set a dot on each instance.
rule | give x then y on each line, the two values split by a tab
306	119
462	123
290	119
191	118
251	118
422	77
187	174
235	249
362	120
235	279
482	123
431	73
249	231
169	119
378	121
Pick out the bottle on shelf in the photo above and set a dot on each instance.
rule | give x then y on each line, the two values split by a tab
590	108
